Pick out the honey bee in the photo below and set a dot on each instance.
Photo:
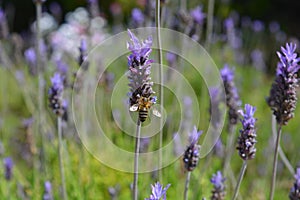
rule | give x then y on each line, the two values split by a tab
143	105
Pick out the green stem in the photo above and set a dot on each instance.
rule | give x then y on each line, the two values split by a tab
60	155
241	176
161	91
210	17
283	157
136	160
187	183
275	163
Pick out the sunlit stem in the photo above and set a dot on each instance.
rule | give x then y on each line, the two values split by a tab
161	91
210	18
275	163
241	176
136	160
60	155
186	187
283	157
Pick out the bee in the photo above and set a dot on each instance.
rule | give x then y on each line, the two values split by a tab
143	105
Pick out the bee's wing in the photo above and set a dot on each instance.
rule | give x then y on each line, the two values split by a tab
156	112
134	107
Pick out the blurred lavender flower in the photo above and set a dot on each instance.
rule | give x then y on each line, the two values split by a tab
39	1
214	103
56	94
198	15
258	26
114	191
257	58
8	167
62	67
56	10
228	23
139	67
218	193
30	58
47	191
137	16
274	27
283	97
177	147
158	192
171	59
191	154
232	98
247	138
295	190
144	144
2	15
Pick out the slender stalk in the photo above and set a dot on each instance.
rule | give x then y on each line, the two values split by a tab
241	176
283	157
161	91
275	163
136	160
187	183
183	5
40	77
210	17
60	156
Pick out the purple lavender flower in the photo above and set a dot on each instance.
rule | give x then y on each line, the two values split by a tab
295	190
62	67
232	98
2	15
30	58
283	97
191	154
198	15
218	193
8	167
258	26
139	67
158	192
247	138
274	27
56	94
171	59
214	103
47	191
83	54
228	23
137	16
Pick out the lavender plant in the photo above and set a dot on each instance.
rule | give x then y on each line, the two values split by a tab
295	190
158	192
233	104
8	168
283	99
57	105
246	142
218	192
140	90
191	157
47	191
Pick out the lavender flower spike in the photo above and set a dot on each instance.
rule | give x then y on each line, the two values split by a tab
198	15
48	191
158	192
139	68
283	97
247	138
8	166
218	193
56	94
191	154
232	98
295	190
